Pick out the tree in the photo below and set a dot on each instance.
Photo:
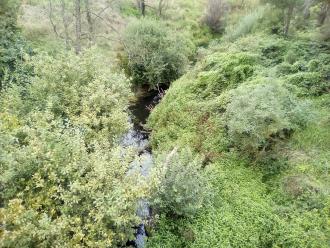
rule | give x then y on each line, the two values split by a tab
162	6
90	23
288	7
324	12
65	24
142	6
13	47
78	26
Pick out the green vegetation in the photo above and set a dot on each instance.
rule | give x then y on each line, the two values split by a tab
153	54
183	187
240	139
60	157
230	107
267	114
12	47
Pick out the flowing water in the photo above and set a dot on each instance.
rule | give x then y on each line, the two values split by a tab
137	137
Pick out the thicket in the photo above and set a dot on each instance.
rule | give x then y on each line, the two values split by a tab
183	187
154	54
63	176
13	47
215	13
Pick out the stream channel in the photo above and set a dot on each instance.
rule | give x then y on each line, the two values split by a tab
138	138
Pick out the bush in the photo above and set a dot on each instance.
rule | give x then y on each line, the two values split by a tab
63	178
245	25
153	54
214	16
183	188
259	116
224	71
12	47
312	83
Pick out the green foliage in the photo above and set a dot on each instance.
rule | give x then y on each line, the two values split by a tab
312	82
153	54
245	25
232	89
261	115
307	68
283	3
222	71
183	188
12	47
81	92
64	180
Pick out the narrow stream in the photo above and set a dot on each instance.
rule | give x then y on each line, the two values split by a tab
137	137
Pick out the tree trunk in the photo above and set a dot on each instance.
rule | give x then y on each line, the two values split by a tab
142	6
160	7
307	5
325	8
78	27
288	20
65	24
50	15
90	23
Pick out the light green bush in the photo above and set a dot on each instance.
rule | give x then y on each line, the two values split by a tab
259	116
183	187
153	54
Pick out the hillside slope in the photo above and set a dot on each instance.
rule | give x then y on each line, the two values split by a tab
274	194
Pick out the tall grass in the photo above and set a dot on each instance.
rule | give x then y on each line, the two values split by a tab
245	25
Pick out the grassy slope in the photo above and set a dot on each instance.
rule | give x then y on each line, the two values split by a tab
253	206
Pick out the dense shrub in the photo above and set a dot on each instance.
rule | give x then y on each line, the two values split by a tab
12	47
63	178
245	25
214	16
312	83
81	92
223	71
259	116
183	188
153	54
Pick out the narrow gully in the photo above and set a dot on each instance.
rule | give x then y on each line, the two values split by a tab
138	138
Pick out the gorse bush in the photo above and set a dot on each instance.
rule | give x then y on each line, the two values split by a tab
259	116
183	186
153	54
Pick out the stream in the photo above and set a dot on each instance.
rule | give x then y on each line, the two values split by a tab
137	137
